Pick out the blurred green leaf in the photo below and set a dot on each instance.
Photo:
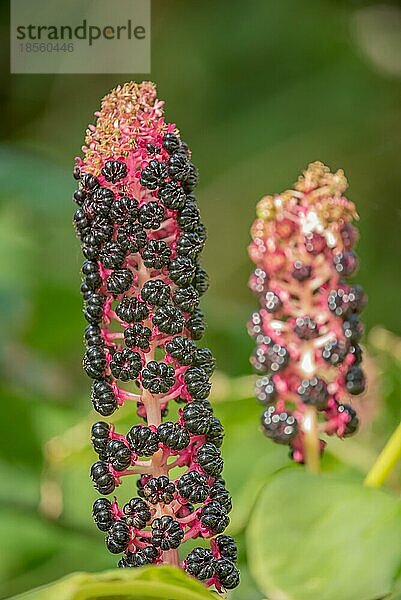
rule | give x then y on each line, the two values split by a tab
324	538
150	583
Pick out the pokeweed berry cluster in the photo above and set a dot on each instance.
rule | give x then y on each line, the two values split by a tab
308	326
141	234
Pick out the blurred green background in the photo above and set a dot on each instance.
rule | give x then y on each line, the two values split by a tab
258	89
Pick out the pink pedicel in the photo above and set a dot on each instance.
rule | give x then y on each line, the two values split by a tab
141	235
307	328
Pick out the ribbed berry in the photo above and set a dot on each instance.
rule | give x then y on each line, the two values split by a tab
124	210
156	254
143	440
168	319
200	563
197	383
214	517
94	362
154	175
166	533
137	336
118	537
100	436
132	310
155	292
119	281
173	435
209	459
193	486
118	455
265	390
197	417
137	513
131	237
182	270
159	489
102	478
102	513
281	427
114	170
139	558
103	398
227	573
182	350
157	377
151	215
227	547
126	364
195	325
314	391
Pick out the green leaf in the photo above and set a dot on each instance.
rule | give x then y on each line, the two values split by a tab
324	538
147	583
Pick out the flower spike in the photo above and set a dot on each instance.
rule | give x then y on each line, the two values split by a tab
307	330
141	234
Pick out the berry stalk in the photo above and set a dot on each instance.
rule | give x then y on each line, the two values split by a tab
308	328
141	235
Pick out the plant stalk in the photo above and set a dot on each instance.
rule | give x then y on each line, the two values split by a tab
386	460
311	438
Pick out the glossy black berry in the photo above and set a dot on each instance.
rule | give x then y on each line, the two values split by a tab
191	180
102	513
306	328
153	175
93	309
94	362
173	435
335	351
119	281
137	336
151	215
155	292
126	364
270	357
281	427
218	492
204	359
190	244
182	270
131	310
168	319
166	533
101	202
178	166
227	547
137	513
156	254
200	280
193	486
271	302
114	170
112	255
197	417
79	196
188	217
76	172
200	563
93	336
143	440
118	455
90	247
209	459
89	182
214	517
100	436
81	223
227	573
171	143
124	210
159	489
197	383
353	421
139	558
265	390
314	391
215	432
356	351
157	377
195	325
172	195
118	537
355	381
343	301
182	350
102	479
101	230
103	398
186	299
131	237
